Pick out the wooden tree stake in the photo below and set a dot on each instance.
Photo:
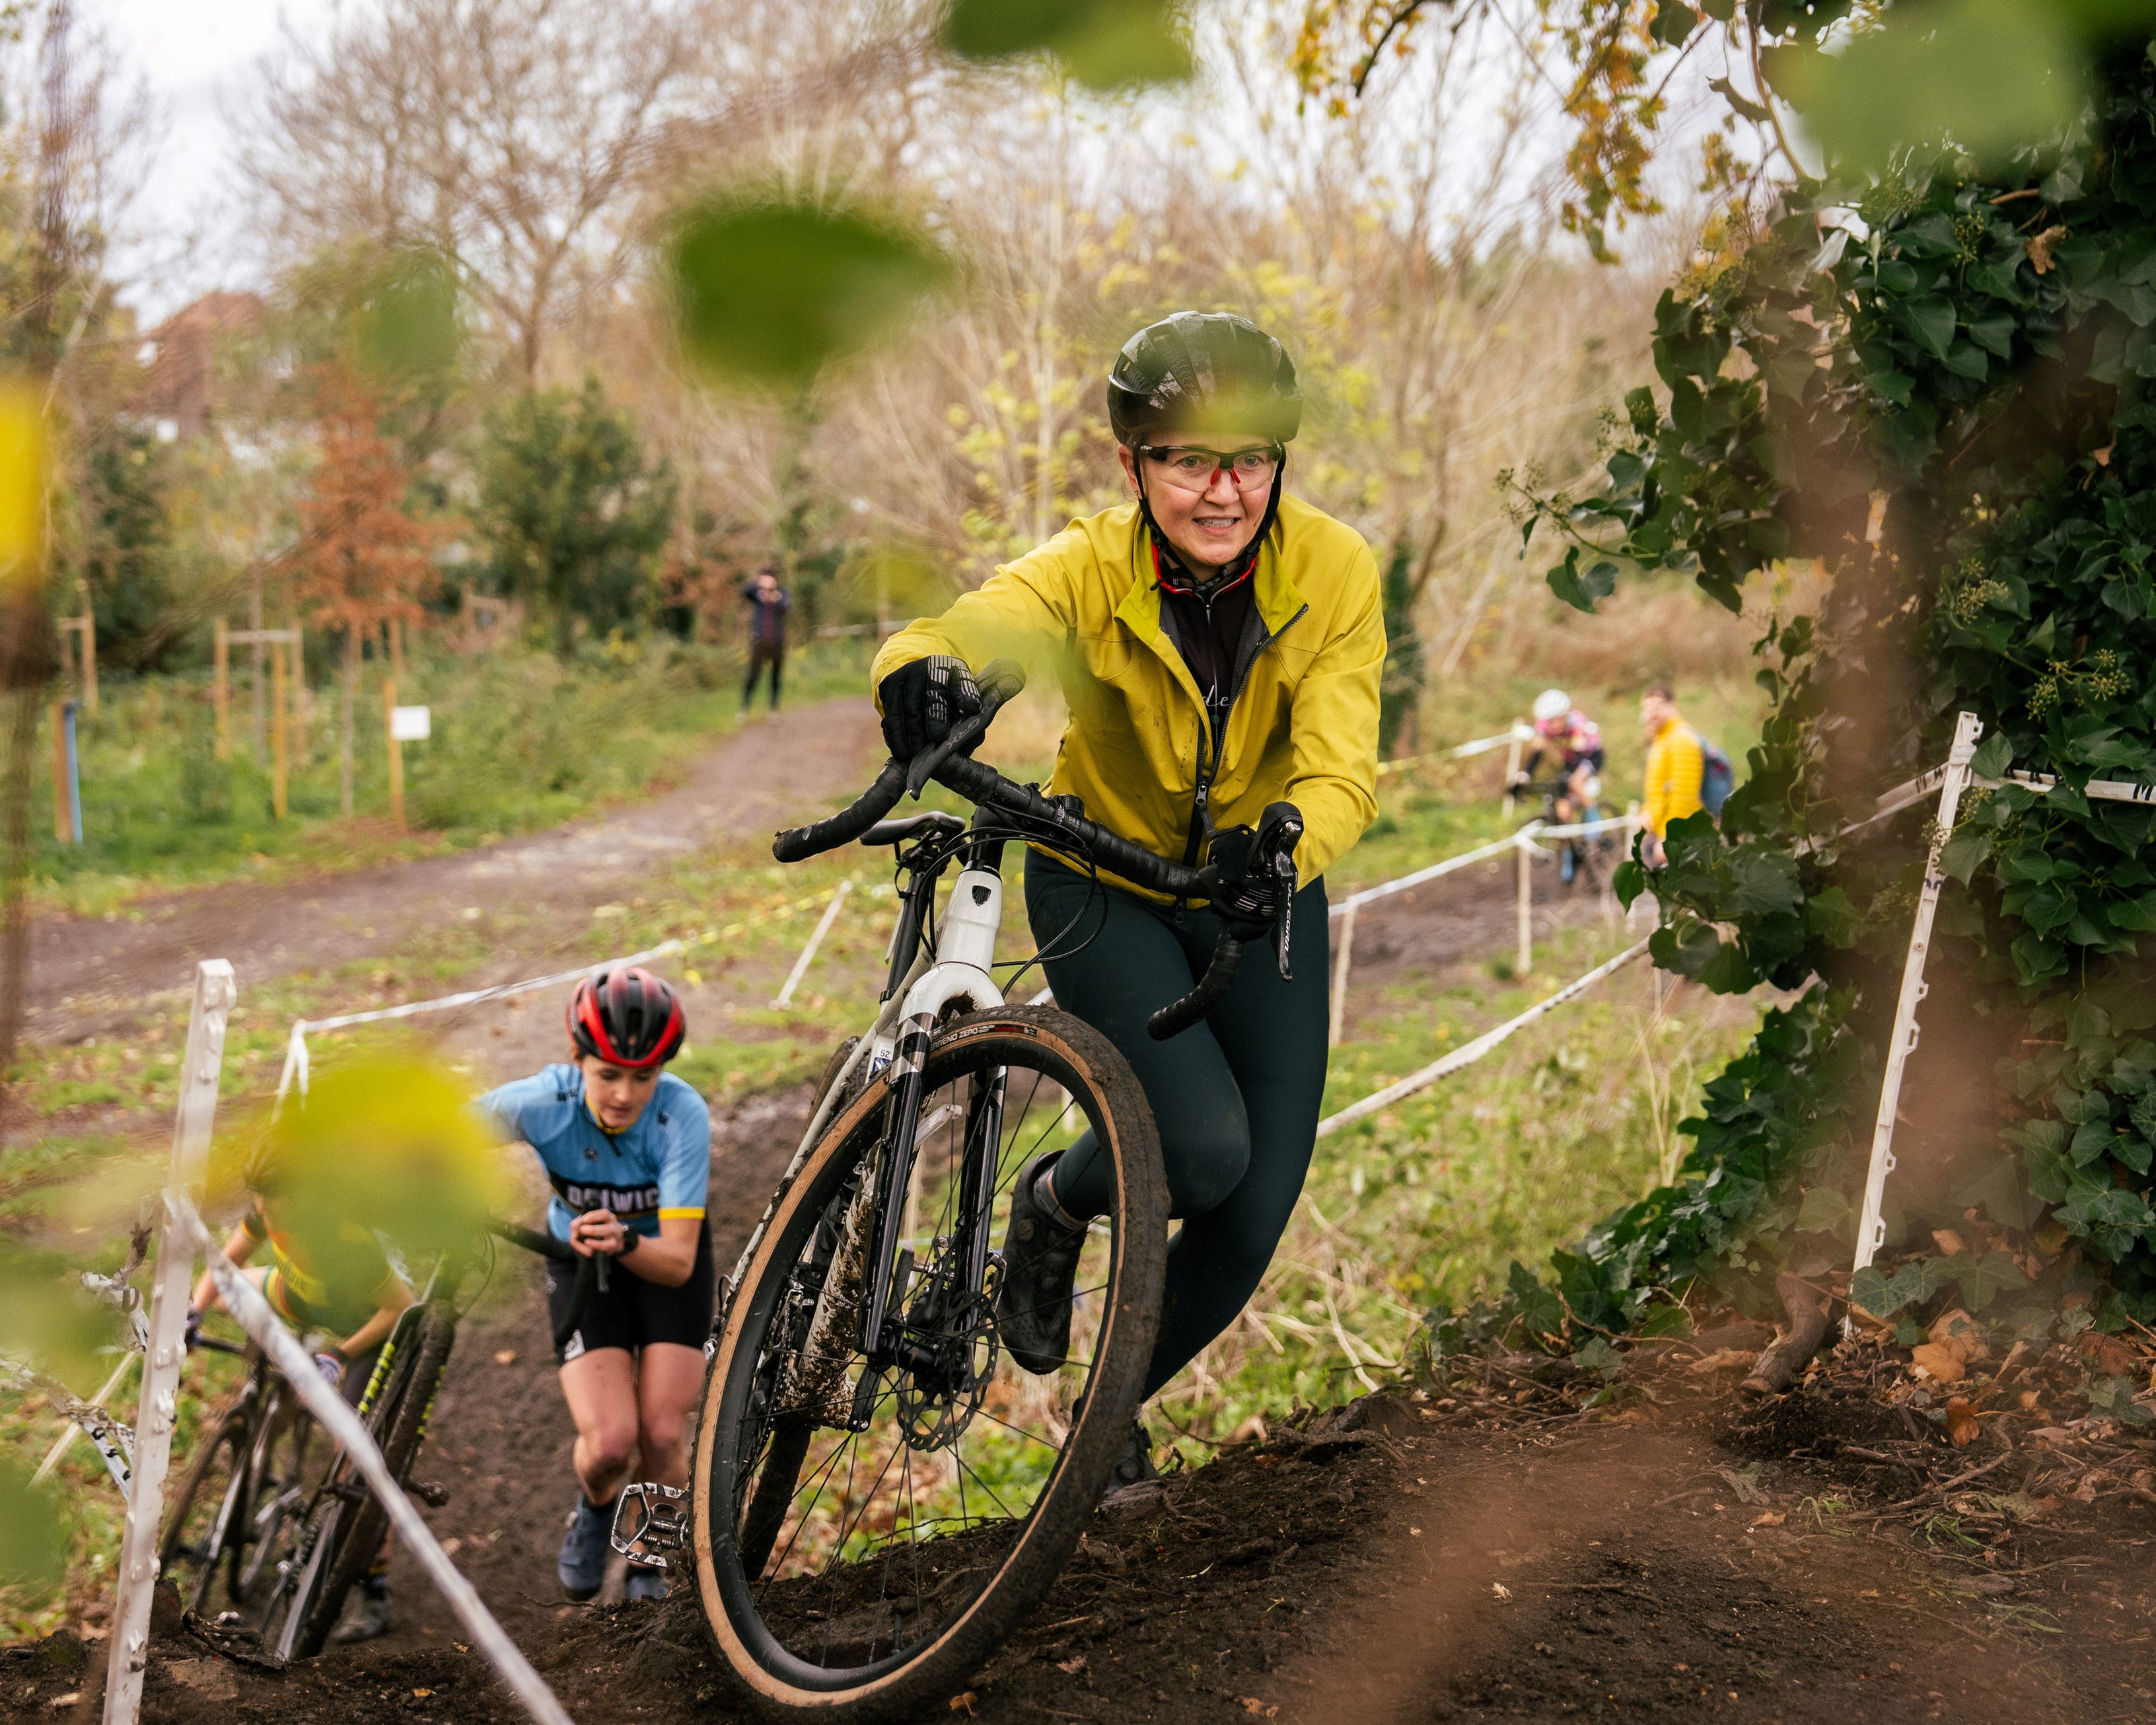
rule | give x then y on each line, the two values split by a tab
395	752
63	815
222	662
280	726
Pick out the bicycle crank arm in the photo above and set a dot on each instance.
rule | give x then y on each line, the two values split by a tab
651	1523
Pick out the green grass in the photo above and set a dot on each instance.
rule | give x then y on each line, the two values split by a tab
520	740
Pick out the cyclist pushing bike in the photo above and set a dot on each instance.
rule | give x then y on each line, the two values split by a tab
1219	644
348	1302
1568	754
627	1146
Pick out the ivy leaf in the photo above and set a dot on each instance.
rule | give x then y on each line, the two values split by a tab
1826	1210
1540	1308
1930	319
1628	880
1728	971
1993	756
1867	1288
1664	1319
1581	591
1981	1279
1961	854
1833	919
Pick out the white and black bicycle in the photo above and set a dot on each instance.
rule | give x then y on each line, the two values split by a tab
880	1492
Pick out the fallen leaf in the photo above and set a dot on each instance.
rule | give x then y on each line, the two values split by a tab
2030	1398
2039	247
1770	1519
1071	1667
1937	1361
1947	1241
964	1704
1722	1359
2114	1359
1963	1427
1253	1706
421	1694
506	1357
72	1698
1957	1330
1501	1590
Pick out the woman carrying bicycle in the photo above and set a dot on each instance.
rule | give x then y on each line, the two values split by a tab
1219	644
627	1146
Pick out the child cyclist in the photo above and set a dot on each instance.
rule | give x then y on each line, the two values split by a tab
627	1147
348	1301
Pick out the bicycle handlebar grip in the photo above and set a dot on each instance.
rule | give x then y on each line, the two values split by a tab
797	844
1174	1020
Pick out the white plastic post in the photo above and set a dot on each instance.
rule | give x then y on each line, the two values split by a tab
1341	960
1871	1229
1525	845
214	994
785	995
1512	766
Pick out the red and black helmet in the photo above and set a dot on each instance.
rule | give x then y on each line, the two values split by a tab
626	1018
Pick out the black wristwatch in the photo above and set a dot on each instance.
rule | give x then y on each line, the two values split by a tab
629	1239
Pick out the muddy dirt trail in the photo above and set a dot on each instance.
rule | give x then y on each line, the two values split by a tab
1393	1561
86	974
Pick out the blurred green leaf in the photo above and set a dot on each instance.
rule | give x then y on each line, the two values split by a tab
769	291
33	1543
408	317
1985	75
1105	44
47	1319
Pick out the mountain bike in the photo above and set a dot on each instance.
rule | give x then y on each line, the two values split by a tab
285	1518
879	1493
1581	856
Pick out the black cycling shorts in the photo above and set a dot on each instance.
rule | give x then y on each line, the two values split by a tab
633	1312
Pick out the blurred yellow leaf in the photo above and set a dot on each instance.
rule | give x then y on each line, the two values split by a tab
32	1541
46	1318
1105	44
22	482
385	1142
768	290
1984	76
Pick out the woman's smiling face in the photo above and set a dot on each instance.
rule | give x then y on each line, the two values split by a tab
1207	528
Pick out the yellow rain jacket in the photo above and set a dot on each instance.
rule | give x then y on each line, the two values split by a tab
1675	767
1303	726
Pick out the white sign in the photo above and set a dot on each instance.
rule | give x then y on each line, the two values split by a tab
410	724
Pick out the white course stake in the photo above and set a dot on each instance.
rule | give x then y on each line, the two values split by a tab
214	992
1341	960
1871	1229
785	995
1526	851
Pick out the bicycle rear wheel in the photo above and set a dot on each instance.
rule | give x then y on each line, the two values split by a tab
402	1415
204	1534
281	1471
867	1530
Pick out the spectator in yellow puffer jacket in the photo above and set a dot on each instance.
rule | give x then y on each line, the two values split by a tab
1676	765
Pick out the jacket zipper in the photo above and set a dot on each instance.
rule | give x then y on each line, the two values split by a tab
1201	802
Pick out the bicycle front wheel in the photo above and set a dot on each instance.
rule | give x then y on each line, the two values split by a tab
869	1526
204	1532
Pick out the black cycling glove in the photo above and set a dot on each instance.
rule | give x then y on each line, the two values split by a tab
923	701
1252	898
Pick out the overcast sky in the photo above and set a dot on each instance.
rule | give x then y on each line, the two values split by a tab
198	56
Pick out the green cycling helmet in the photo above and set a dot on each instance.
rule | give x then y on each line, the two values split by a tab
1202	371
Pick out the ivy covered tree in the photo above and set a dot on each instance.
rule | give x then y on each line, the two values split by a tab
1929	371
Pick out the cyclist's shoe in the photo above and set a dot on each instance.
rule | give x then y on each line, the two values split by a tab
366	1614
581	1567
642	1584
1136	1479
1040	1260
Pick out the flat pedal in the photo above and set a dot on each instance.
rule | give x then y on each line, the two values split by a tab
651	1523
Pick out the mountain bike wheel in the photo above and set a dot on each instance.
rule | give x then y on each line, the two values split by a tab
866	1532
203	1532
403	1415
281	1469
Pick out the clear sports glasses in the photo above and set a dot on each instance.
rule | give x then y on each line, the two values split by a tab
1192	467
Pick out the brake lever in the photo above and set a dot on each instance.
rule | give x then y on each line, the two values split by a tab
1284	923
1000	682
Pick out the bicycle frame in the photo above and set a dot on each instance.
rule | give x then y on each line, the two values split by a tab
955	977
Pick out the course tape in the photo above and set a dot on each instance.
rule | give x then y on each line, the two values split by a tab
1468	1053
295	1048
1479	746
1528	835
113	1441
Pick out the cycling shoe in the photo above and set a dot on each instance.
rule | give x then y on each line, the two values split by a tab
1040	1261
581	1567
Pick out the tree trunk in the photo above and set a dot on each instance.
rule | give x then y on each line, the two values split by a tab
344	734
255	623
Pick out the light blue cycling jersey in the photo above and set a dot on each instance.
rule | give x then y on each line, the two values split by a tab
660	1167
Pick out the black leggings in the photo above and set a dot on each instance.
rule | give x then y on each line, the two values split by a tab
759	657
1236	1098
